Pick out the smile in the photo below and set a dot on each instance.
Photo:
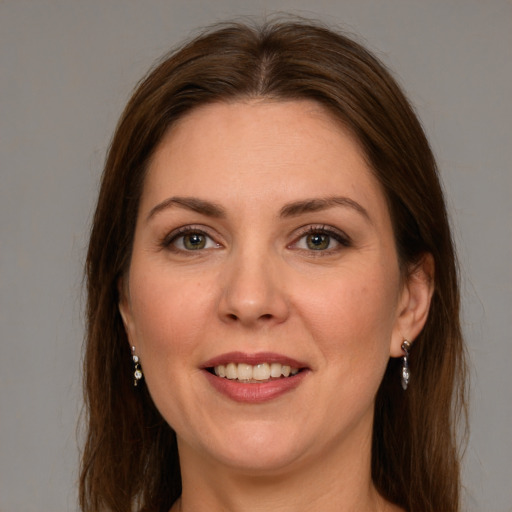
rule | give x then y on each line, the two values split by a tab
244	372
254	378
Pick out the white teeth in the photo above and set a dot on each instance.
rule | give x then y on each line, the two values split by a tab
258	372
244	371
261	371
275	370
231	371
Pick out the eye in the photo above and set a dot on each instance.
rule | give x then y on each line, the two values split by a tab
318	241
189	239
321	239
193	241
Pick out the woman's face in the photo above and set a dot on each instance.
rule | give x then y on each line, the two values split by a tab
263	253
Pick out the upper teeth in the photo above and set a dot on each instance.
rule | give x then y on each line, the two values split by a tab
262	371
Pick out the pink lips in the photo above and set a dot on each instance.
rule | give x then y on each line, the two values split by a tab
260	357
256	392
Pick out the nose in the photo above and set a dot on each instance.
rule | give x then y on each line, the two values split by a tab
253	292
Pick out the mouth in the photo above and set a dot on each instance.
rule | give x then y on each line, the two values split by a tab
254	373
254	378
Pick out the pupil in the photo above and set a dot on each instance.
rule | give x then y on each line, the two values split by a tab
318	241
194	241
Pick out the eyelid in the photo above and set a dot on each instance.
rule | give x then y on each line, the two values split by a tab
339	236
170	238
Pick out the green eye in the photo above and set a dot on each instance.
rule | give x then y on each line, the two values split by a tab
194	241
318	241
322	240
188	240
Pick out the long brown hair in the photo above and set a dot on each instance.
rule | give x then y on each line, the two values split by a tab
130	458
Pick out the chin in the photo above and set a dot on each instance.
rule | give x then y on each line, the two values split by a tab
259	462
254	449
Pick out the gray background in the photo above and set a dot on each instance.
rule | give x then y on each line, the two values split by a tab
66	70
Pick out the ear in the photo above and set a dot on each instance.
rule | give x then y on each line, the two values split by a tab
125	308
413	304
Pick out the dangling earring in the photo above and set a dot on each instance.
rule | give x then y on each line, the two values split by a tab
406	374
137	374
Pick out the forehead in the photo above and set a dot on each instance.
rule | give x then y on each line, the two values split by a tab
259	150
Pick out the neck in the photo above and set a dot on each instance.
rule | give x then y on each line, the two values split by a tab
339	481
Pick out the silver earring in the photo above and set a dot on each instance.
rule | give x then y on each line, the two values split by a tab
406	374
137	374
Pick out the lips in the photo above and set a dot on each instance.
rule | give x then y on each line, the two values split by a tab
259	372
254	377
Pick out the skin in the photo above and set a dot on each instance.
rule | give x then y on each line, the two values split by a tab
257	286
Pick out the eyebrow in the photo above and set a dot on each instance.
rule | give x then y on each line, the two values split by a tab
294	209
318	204
189	203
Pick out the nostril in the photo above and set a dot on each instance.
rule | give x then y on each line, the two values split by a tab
232	316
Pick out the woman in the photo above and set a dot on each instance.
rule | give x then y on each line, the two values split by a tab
273	305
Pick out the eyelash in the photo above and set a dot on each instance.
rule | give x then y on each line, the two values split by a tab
339	236
171	238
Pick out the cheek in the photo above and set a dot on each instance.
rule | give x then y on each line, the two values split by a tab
353	315
171	315
169	312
